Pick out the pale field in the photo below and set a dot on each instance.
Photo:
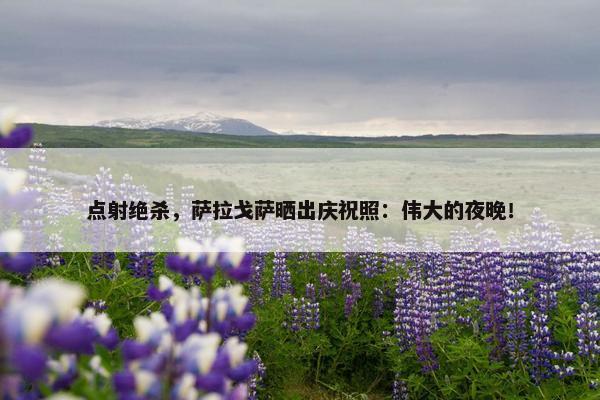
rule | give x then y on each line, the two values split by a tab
565	184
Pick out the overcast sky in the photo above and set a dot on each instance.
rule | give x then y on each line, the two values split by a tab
336	67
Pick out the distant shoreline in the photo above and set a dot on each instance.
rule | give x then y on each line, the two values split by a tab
91	136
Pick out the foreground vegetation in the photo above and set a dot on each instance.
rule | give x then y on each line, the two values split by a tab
389	325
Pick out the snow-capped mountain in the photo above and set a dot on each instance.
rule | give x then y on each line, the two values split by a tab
200	122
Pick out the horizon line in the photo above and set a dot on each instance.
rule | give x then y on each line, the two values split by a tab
315	134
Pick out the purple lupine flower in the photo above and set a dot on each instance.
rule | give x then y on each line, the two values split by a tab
141	265
28	361
403	319
282	280
546	282
293	323
62	372
256	288
320	255
102	234
426	355
540	353
346	279
399	389
138	384
32	224
349	304
103	260
356	290
256	381
187	349
351	259
227	308
55	247
12	135
195	230
415	319
227	254
315	316
585	276
136	235
465	272
545	295
73	337
326	286
44	320
493	304
377	303
423	326
192	280
309	319
310	292
231	311
443	288
162	291
389	259
303	315
11	259
233	259
561	366
98	305
516	270
13	190
368	264
54	260
190	262
12	184
516	325
588	335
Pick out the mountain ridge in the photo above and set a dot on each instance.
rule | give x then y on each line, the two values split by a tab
201	122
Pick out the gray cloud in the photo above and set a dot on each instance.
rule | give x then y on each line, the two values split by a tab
346	66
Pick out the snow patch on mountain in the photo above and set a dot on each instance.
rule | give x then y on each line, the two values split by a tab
201	122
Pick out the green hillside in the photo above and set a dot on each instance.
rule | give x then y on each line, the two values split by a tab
79	136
